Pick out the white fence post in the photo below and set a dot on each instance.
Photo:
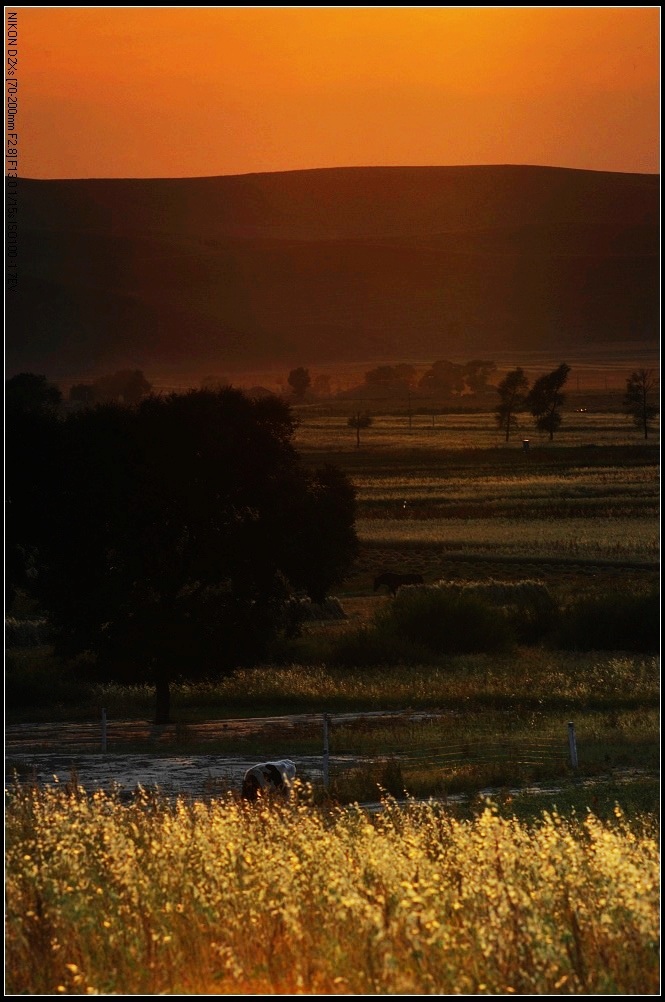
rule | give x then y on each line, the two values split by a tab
103	730
326	752
572	744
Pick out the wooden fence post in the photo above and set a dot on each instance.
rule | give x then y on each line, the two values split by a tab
326	752
572	744
103	730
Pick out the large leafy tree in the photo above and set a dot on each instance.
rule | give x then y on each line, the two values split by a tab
171	535
31	406
641	387
545	399
512	395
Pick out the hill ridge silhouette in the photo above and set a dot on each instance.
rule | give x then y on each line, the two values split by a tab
331	264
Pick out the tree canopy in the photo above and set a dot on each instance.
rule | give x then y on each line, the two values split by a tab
545	399
641	388
391	378
299	381
28	392
512	395
171	535
126	386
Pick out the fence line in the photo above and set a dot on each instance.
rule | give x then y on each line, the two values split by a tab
454	754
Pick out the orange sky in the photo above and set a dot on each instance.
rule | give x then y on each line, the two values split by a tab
175	91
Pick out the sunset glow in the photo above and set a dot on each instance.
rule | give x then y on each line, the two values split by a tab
174	91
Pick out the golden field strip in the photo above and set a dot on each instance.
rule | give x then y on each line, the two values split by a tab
637	538
579	483
221	898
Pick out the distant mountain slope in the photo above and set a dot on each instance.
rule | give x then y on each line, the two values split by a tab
317	266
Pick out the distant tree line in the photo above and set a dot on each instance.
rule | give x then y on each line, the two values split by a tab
127	386
450	381
442	379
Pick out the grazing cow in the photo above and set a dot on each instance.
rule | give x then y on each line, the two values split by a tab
394	582
269	778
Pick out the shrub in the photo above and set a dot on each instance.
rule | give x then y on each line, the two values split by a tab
612	621
368	647
447	621
527	604
33	679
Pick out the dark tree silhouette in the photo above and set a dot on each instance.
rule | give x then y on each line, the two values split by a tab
127	386
28	392
172	535
299	381
358	421
641	386
391	378
545	398
512	395
476	374
82	393
444	378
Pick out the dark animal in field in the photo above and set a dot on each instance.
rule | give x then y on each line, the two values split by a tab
393	582
269	778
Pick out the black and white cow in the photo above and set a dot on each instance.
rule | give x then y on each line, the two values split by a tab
269	778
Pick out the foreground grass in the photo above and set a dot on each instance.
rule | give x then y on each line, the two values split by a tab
219	898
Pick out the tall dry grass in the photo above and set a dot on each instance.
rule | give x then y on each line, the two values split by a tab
220	898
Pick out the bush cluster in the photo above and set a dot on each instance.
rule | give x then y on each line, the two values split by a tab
621	621
420	626
490	617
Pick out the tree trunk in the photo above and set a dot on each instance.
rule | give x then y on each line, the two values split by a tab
163	701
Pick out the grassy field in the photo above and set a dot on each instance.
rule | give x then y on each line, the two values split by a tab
388	432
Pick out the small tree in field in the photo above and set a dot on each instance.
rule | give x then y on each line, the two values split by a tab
299	381
638	401
545	398
359	421
512	395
